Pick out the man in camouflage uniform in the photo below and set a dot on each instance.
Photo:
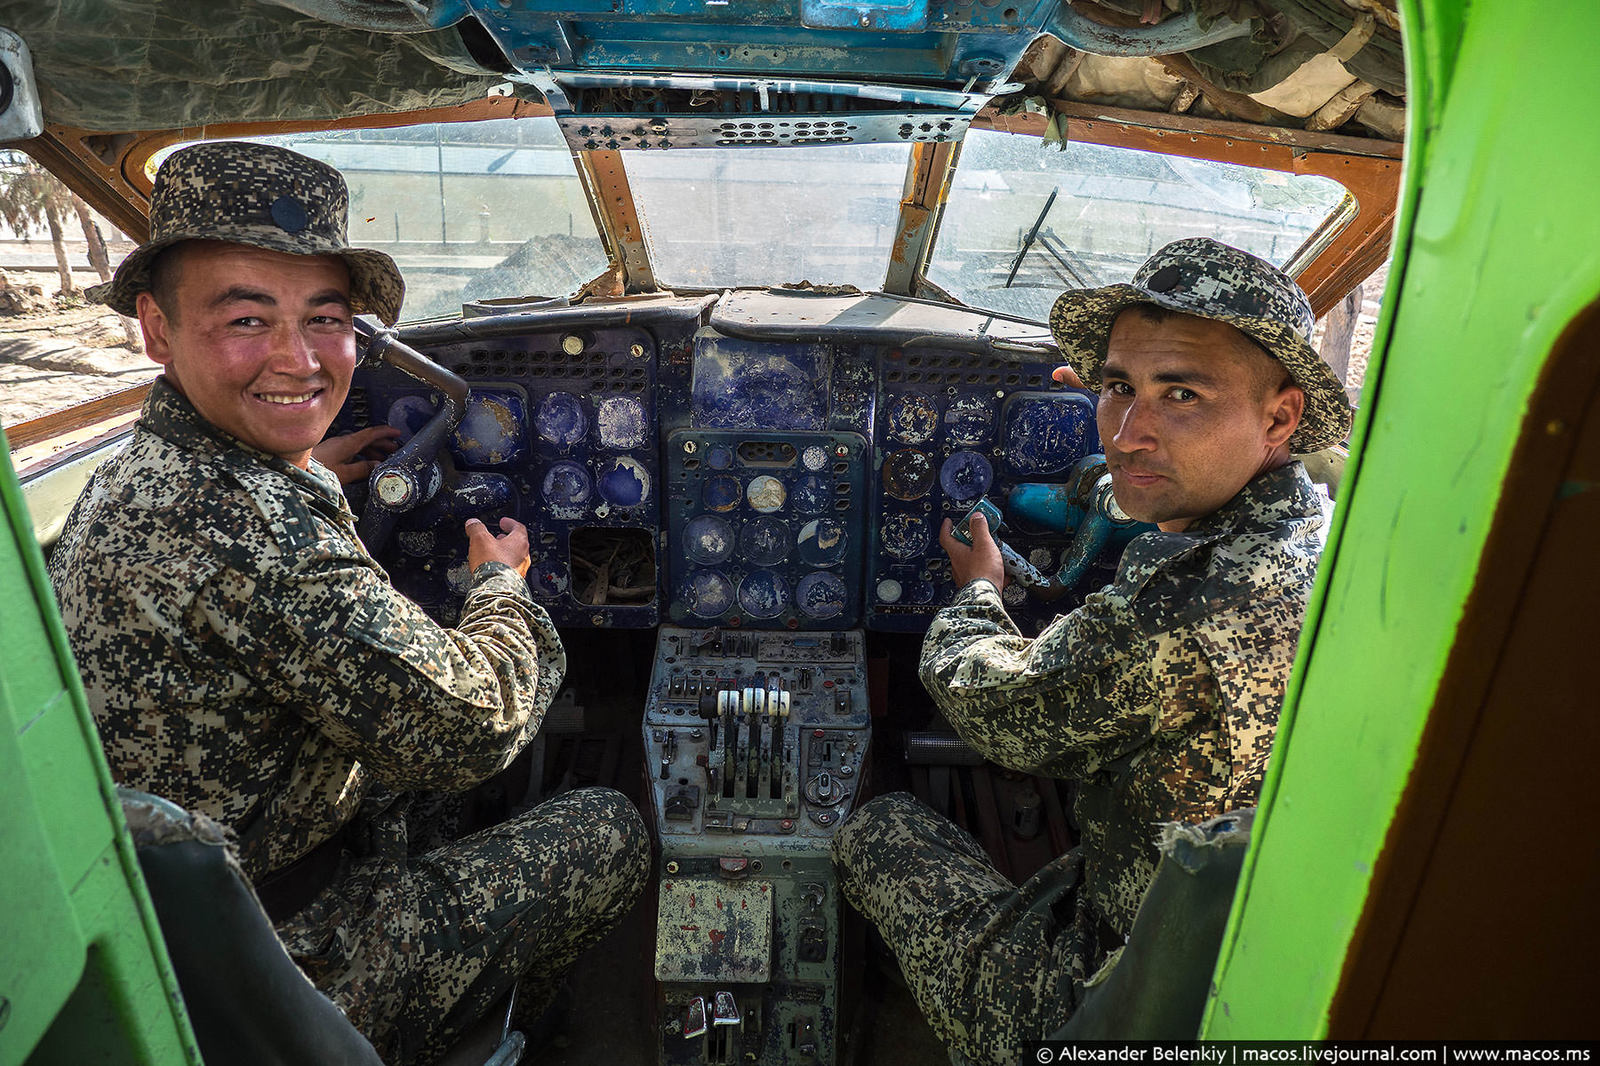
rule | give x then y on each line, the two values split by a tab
247	658
1160	695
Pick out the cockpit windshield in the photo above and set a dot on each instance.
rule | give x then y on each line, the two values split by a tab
1025	221
724	217
469	210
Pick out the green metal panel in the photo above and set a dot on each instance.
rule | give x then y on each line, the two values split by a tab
83	973
1498	248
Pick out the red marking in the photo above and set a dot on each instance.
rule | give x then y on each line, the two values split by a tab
716	936
719	904
690	928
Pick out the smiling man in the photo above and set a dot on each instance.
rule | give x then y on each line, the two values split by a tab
1160	695
246	657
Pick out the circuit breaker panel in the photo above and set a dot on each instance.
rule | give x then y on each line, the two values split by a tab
755	743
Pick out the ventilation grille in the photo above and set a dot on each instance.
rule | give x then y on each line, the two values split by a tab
957	368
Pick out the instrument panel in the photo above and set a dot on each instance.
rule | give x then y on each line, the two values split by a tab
671	472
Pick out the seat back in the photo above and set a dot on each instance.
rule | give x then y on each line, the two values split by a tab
1157	989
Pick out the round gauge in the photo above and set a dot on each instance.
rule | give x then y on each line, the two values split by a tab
491	431
1013	596
566	484
919	591
889	591
418	543
548	580
966	476
620	423
907	474
719	457
905	536
721	492
764	541
966	422
763	594
710	593
561	420
812	494
822	542
815	457
820	595
707	539
624	482
409	414
766	494
912	419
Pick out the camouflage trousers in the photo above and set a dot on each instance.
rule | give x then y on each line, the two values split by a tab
990	963
416	947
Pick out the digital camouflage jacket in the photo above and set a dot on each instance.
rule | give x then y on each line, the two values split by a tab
246	657
1160	695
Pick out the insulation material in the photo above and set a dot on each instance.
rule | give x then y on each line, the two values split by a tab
140	64
1112	81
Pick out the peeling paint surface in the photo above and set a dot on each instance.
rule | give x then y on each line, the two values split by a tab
763	594
567	487
714	931
966	475
812	495
493	430
708	539
743	385
823	542
710	593
721	492
766	494
549	580
764	541
620	422
815	457
912	419
820	595
624	482
1047	434
908	474
561	420
967	420
905	536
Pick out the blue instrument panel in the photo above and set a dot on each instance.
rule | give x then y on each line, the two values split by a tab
561	429
668	471
764	529
954	427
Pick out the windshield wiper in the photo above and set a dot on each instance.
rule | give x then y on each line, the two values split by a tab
1016	264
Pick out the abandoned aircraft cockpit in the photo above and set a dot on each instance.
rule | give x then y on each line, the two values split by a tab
733	305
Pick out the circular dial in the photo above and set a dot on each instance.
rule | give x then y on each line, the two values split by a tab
822	542
907	474
763	594
708	539
764	541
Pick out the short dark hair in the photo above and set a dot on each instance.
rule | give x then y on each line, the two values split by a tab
165	270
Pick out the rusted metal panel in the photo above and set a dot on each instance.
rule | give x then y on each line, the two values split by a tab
714	930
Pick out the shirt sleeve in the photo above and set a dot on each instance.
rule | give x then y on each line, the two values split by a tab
420	706
1063	703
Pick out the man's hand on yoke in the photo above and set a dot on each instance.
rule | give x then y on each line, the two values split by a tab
510	548
980	559
353	455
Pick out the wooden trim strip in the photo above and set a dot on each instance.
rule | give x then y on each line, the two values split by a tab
78	417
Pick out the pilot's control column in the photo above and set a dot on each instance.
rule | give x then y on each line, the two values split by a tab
756	744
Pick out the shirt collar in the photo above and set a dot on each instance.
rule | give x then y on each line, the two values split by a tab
1265	502
169	415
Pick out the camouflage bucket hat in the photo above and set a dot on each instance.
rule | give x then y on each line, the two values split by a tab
260	195
1199	276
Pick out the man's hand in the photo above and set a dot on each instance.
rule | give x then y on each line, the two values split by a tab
353	455
1068	376
980	559
485	547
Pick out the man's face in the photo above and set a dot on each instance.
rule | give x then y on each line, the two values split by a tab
1190	411
261	342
